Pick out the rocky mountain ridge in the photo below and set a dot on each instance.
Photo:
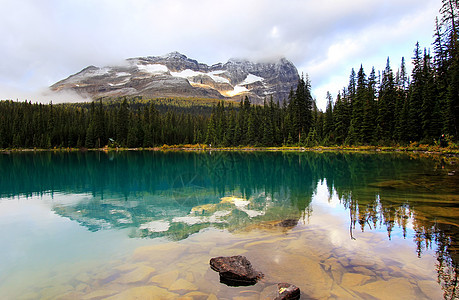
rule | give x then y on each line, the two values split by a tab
175	75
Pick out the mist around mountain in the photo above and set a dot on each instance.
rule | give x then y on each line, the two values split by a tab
175	75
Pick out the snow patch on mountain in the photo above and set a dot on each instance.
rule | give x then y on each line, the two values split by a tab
186	73
189	74
119	83
251	79
122	74
215	75
238	89
153	69
98	72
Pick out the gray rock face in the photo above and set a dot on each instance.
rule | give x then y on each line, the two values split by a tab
175	75
235	270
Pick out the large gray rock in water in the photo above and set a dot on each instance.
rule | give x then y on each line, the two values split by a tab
175	75
235	270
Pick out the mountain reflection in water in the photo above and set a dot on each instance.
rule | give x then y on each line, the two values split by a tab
173	195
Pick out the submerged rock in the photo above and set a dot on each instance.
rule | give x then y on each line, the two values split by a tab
235	270
288	223
287	291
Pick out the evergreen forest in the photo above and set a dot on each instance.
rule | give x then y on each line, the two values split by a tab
383	108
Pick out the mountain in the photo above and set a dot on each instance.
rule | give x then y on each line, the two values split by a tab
175	75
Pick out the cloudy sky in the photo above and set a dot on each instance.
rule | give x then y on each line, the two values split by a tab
45	41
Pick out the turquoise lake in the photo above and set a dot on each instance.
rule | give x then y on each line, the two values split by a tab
144	225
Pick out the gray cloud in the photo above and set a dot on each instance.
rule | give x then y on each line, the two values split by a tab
45	41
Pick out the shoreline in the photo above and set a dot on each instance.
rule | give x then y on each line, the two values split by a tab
423	149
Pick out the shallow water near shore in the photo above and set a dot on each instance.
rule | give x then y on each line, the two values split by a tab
145	224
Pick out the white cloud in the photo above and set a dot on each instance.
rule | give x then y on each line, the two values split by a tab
43	95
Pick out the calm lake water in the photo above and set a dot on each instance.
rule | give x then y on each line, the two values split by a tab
145	224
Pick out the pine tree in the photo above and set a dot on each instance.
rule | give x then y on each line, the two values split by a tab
341	118
311	139
268	127
290	119
243	116
133	135
153	126
318	124
352	85
358	104
429	100
401	105
147	127
99	125
441	54
403	134
450	23
122	123
450	18
328	121
211	135
386	105
89	141
300	109
403	77
253	125
370	111
220	123
415	97
276	113
228	139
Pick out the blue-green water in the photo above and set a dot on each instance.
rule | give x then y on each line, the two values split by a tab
140	224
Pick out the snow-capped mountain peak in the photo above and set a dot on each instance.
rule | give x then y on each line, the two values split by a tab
175	75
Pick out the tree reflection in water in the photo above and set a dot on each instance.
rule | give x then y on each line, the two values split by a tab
178	194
